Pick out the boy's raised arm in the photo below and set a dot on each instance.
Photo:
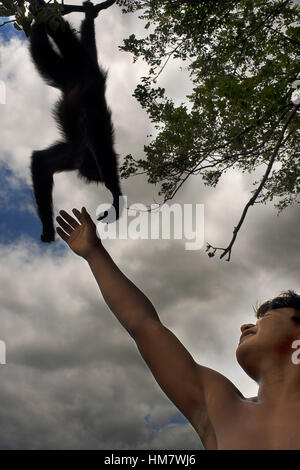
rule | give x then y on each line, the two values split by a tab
130	306
190	387
171	364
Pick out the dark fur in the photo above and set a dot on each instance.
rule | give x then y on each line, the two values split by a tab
82	115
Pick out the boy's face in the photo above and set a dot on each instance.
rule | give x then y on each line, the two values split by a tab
268	341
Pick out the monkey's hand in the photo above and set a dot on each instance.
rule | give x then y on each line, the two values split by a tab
35	6
89	9
81	237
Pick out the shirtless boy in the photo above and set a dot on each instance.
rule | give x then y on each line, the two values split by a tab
222	417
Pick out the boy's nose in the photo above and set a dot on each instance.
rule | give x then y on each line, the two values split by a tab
246	326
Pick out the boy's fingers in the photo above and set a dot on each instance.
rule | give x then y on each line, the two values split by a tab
86	215
82	216
62	234
77	213
69	219
64	225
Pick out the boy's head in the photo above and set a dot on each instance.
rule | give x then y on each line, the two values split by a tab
269	341
288	299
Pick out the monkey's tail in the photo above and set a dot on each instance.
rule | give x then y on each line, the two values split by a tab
113	214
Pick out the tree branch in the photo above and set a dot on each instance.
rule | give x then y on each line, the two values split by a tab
6	22
257	192
80	8
291	40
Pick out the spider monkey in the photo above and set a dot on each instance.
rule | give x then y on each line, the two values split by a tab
82	114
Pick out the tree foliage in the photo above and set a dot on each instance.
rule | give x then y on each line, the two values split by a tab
22	16
243	57
22	10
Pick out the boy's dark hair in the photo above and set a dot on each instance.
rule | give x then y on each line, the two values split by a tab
287	299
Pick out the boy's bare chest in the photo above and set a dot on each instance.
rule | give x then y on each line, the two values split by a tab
253	427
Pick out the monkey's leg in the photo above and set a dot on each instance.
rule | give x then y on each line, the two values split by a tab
44	163
49	64
70	47
68	43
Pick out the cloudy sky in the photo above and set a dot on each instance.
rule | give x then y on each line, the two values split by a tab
74	378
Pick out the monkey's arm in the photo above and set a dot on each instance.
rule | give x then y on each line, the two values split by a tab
88	37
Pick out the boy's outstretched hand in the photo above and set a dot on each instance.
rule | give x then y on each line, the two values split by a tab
81	237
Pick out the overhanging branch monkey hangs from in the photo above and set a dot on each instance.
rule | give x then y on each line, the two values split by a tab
82	114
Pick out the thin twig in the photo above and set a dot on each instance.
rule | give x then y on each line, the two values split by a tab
260	187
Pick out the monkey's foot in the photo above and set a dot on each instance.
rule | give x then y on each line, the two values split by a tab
48	235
